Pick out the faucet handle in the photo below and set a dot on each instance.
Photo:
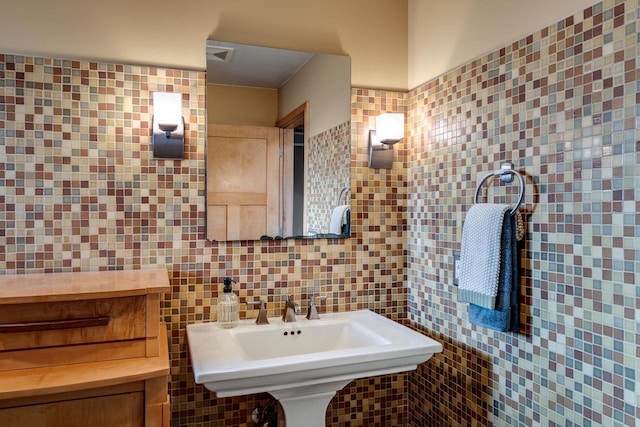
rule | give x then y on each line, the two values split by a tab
312	312
313	298
262	314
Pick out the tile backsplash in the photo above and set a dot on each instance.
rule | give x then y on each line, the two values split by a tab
80	191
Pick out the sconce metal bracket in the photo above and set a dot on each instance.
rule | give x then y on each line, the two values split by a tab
380	154
168	140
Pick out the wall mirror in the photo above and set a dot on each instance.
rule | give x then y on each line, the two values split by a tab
278	143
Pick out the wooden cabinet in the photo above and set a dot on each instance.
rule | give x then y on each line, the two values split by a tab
122	410
83	349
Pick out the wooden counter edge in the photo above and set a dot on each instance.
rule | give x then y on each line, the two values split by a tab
73	286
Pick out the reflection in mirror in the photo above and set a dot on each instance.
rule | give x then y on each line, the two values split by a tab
278	143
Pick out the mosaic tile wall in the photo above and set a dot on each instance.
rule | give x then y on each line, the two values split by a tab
562	105
79	191
329	157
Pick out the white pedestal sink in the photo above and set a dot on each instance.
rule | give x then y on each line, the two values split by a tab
303	364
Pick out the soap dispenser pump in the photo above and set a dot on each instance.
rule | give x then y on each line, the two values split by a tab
228	308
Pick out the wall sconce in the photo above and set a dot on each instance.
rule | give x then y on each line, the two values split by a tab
168	126
389	130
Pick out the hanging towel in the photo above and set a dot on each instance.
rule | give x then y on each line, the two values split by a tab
506	316
338	217
480	254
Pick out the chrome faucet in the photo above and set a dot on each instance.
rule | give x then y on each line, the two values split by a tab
290	310
262	314
312	311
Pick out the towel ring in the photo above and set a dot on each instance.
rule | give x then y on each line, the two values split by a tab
506	174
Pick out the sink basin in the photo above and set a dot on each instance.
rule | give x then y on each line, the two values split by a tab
303	364
312	337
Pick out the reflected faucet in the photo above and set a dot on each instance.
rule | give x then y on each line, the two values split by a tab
290	310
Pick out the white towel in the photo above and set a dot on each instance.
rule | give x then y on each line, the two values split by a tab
480	254
338	217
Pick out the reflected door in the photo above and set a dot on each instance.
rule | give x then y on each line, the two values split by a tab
243	182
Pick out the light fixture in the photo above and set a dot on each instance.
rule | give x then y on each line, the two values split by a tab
389	130
168	126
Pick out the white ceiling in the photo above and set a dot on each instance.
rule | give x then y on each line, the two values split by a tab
254	66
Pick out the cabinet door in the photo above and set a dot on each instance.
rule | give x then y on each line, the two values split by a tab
122	410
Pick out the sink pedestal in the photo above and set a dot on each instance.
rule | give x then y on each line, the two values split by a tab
306	406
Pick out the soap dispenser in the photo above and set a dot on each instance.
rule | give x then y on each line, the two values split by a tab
228	310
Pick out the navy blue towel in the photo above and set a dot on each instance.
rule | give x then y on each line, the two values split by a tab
506	316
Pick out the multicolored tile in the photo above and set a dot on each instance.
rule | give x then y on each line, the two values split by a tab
80	191
561	105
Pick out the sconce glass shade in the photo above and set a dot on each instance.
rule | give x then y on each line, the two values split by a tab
389	130
167	108
390	127
168	126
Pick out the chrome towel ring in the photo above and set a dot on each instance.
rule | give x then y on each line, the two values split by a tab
506	174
